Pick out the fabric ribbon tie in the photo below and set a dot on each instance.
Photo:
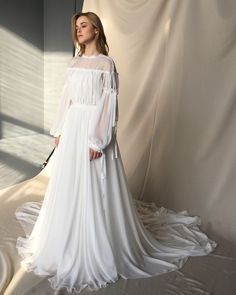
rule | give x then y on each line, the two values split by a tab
103	173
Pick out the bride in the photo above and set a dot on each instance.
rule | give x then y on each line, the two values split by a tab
89	231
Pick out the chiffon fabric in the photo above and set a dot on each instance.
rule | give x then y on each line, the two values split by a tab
88	231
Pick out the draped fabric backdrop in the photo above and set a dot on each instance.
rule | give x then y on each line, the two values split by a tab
177	117
176	61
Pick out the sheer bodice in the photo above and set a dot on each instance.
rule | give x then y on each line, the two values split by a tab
91	80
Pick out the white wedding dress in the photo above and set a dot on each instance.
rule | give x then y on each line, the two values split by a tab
88	231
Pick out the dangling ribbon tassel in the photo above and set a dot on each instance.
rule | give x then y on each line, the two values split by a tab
114	149
116	153
103	173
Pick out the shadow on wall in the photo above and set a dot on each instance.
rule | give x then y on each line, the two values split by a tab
29	74
21	86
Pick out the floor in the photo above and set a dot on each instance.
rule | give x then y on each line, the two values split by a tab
22	157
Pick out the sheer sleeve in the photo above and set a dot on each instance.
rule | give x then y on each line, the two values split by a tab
63	106
104	122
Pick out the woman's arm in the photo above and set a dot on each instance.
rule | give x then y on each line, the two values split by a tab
64	104
104	122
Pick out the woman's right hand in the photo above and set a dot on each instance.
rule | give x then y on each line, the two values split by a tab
57	139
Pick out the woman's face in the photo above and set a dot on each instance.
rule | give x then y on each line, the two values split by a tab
84	30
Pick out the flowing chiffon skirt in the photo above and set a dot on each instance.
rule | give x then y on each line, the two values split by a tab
88	231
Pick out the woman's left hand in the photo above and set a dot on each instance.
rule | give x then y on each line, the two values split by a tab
94	154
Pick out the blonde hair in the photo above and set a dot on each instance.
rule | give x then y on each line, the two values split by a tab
101	44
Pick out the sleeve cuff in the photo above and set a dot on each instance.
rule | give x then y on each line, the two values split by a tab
54	133
94	147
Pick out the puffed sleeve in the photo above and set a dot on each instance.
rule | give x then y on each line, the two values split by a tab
62	108
104	122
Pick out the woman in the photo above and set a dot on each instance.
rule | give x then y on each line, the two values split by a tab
89	231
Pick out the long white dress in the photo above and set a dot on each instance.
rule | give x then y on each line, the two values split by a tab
88	231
